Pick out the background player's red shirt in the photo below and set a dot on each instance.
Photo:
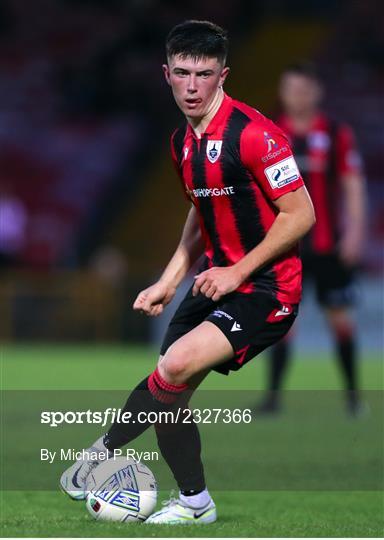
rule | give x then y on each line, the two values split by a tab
241	164
325	154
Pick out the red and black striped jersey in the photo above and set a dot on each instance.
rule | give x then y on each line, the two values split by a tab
232	175
325	156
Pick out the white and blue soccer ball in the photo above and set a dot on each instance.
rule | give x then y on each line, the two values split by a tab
121	489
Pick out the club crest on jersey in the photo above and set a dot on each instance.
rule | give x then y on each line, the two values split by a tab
214	150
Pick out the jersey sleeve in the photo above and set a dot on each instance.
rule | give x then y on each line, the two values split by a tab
173	152
176	164
267	155
348	157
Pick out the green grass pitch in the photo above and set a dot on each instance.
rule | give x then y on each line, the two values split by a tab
241	514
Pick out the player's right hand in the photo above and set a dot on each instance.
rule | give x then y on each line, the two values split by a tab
153	300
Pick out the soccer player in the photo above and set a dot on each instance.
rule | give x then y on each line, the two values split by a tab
328	159
248	211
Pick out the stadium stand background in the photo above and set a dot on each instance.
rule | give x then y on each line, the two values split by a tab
90	208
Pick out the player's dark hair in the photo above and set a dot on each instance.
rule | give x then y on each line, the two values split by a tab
306	69
197	39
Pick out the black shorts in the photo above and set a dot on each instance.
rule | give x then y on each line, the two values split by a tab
251	323
334	281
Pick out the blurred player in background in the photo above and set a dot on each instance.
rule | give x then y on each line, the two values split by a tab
326	154
247	213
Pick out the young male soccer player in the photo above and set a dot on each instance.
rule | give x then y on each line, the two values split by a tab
248	211
326	153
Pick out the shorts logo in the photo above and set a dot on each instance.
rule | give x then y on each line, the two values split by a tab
283	311
236	327
279	314
214	150
219	313
186	150
282	173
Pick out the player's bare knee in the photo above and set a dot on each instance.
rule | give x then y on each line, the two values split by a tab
343	329
173	371
341	321
174	368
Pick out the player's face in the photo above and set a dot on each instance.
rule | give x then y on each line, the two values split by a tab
299	94
194	83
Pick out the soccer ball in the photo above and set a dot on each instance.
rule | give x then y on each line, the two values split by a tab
121	489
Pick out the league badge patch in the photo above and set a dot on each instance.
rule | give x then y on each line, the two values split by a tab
282	173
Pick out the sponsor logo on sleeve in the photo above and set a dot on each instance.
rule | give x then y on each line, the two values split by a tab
282	173
274	154
271	143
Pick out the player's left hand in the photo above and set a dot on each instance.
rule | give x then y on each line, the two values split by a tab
217	282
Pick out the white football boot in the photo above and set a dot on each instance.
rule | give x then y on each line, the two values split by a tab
73	481
175	512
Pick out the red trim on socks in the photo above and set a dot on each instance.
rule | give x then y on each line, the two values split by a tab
163	391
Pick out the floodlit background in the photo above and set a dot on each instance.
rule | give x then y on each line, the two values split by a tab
90	205
91	210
